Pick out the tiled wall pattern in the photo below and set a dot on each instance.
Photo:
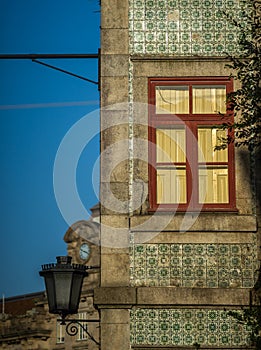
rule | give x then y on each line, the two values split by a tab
183	27
185	327
194	265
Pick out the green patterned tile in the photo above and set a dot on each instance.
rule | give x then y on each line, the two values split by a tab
194	265
150	48
235	249
139	48
138	25
150	15
161	18
140	261
161	26
138	3
139	249
151	26
211	249
150	37
139	37
152	249
207	36
172	27
187	249
139	15
184	327
161	48
176	249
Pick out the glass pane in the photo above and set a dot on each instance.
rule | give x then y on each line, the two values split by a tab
172	99
213	184
171	146
208	139
59	333
209	99
63	283
171	185
82	335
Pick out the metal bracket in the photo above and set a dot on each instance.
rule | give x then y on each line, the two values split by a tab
34	58
72	327
65	71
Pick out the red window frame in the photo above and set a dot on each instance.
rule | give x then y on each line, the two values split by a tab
191	122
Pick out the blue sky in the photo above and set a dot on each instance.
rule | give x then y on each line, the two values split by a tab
38	106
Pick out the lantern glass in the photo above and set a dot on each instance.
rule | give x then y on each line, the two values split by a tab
76	291
50	290
63	285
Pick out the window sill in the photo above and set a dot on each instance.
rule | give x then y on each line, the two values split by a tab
167	210
207	221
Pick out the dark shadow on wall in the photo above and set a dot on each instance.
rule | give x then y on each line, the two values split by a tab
250	167
257	170
256	293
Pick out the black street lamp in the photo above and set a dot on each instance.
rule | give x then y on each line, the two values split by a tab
63	281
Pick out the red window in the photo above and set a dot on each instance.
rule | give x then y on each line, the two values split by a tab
186	172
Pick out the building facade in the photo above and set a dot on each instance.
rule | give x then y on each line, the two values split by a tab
177	238
25	321
179	219
26	324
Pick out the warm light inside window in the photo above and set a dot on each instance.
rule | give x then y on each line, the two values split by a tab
172	99
213	184
213	178
171	185
171	165
171	145
187	171
208	139
208	99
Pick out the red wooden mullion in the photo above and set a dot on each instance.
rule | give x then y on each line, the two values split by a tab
191	122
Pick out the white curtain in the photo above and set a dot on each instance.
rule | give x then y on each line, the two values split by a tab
171	185
171	179
208	99
172	99
213	179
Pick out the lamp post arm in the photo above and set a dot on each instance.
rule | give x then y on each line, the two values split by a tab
72	327
33	56
65	71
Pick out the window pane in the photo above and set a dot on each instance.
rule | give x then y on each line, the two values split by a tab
171	145
172	99
209	99
82	335
213	184
59	332
208	139
171	185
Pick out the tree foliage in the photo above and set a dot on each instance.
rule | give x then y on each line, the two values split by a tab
246	105
251	316
246	67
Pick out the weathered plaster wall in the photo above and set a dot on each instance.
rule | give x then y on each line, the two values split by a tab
136	44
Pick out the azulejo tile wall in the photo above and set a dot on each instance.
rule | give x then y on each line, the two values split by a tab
194	265
185	327
184	27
